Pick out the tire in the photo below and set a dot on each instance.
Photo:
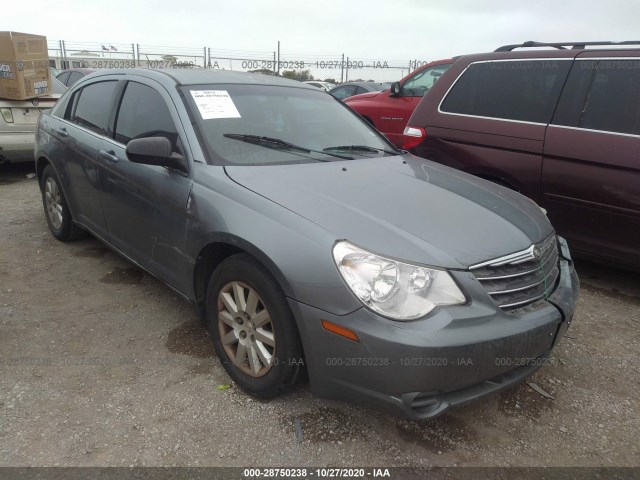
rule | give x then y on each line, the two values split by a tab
56	209
252	328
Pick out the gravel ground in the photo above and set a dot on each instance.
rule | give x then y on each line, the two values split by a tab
102	365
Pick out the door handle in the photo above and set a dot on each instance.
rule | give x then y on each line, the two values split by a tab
62	132
109	155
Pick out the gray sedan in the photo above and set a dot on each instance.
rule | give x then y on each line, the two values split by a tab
305	240
349	89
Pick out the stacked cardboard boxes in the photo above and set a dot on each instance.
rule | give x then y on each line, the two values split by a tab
24	66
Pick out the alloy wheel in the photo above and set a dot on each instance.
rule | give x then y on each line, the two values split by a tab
53	202
246	329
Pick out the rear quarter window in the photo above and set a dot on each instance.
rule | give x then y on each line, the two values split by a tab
523	90
602	95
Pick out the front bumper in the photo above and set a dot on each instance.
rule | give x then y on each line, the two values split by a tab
455	355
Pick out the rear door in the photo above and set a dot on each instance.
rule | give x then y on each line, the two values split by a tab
591	172
82	136
145	206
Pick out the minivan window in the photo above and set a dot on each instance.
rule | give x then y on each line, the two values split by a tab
93	108
524	90
602	95
144	113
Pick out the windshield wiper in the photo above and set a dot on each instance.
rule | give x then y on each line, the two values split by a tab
277	143
361	148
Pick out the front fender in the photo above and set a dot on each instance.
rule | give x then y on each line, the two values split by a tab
295	250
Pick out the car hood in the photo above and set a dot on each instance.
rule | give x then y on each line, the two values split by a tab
404	207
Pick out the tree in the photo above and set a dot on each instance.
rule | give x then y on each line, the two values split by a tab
330	80
302	75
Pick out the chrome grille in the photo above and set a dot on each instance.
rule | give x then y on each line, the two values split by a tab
521	278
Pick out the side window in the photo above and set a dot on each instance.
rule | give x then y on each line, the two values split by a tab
525	90
63	77
422	81
611	96
144	113
360	90
74	77
93	106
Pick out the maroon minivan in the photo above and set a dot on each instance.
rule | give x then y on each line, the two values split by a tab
560	125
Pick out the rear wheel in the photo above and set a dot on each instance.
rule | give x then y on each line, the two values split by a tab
253	330
56	209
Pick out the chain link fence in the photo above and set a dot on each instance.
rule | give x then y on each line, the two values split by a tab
333	68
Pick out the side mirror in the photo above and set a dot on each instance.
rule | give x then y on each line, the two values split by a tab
396	89
156	151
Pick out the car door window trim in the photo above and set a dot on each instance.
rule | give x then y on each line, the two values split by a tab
595	131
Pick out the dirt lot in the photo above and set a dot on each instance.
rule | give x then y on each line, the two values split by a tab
101	364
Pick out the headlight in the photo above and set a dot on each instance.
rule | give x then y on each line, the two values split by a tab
394	289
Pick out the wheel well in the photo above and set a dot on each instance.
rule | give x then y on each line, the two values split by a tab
40	166
207	261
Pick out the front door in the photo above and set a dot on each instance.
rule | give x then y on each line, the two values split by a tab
145	206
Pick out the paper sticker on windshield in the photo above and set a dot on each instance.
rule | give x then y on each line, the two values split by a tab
215	104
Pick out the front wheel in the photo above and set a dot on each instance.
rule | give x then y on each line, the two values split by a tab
252	327
56	208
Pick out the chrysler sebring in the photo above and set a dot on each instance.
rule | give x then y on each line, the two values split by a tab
305	240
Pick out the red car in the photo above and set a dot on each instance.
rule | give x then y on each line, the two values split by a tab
390	109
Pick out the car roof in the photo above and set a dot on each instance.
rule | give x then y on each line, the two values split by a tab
554	51
200	76
86	71
565	45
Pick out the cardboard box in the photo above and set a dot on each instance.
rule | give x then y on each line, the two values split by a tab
24	66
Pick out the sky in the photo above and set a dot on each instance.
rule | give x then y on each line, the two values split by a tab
384	30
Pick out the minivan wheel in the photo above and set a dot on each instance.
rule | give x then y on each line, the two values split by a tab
252	327
56	209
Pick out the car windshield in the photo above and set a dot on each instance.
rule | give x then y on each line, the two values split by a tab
264	124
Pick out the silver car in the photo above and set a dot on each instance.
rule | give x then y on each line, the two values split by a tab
18	120
305	240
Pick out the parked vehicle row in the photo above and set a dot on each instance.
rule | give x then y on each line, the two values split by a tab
306	240
326	86
349	89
